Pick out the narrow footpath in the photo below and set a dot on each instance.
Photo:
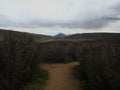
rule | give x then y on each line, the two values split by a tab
60	77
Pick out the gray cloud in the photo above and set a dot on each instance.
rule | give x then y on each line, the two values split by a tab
112	18
88	17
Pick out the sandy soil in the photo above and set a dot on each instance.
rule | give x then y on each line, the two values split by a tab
61	77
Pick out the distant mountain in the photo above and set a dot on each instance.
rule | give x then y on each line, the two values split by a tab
60	35
95	36
36	37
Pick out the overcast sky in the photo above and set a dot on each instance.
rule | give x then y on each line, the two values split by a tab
54	16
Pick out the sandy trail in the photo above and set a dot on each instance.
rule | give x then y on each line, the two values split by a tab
61	77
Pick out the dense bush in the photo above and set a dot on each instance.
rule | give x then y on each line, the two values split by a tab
56	52
99	66
18	61
99	61
39	81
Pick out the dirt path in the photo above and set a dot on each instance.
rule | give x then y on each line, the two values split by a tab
61	77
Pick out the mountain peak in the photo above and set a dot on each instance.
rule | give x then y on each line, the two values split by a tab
60	35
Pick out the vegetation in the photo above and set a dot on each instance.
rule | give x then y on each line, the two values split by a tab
42	76
35	37
21	57
57	52
99	66
39	81
95	36
19	61
99	61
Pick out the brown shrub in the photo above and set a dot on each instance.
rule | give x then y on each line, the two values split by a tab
18	61
99	66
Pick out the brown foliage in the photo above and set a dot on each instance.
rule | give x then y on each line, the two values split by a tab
18	61
99	66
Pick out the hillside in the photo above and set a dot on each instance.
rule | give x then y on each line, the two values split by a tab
36	37
74	37
95	36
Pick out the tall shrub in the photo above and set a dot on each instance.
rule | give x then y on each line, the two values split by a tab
100	66
18	61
